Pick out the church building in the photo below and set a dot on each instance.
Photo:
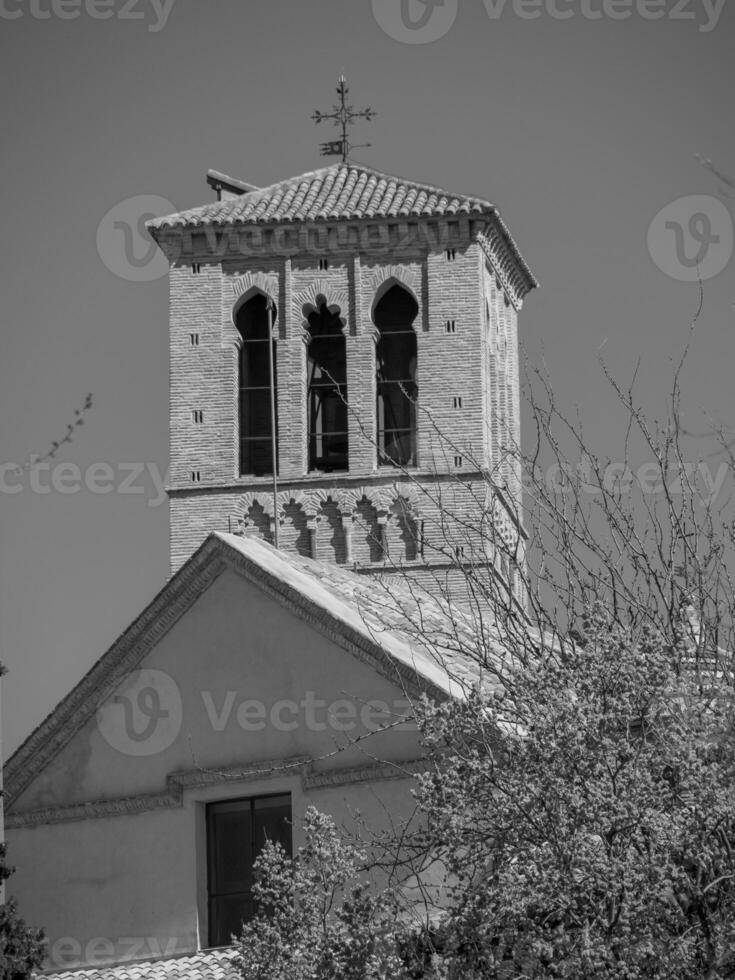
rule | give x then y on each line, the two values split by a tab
344	377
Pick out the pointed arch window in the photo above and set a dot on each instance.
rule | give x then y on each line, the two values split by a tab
396	384
256	454
326	390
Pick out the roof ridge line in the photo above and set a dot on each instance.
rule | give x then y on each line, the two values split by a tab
348	165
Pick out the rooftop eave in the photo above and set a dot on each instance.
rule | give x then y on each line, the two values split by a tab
485	226
504	256
187	220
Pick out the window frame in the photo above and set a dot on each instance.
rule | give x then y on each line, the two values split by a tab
215	893
407	386
322	390
244	417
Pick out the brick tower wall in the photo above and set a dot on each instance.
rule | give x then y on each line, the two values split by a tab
468	394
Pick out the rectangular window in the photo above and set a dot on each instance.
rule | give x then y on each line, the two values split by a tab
397	395
327	403
254	322
256	439
237	830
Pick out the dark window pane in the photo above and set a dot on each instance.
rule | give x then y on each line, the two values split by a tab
226	916
327	393
324	323
255	405
272	822
256	456
254	383
397	357
397	447
397	390
328	411
328	452
396	310
231	853
252	318
236	833
396	405
254	364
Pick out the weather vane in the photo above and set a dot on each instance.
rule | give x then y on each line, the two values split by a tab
342	114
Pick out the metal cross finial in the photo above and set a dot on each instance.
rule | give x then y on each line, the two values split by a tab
342	114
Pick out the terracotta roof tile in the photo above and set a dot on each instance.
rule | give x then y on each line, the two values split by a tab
213	964
343	190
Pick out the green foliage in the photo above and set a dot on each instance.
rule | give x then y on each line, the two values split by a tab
584	819
21	947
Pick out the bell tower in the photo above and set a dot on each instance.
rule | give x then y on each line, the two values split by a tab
379	316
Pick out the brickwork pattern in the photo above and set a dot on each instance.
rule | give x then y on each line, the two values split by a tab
467	372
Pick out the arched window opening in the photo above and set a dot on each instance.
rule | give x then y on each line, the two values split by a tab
326	390
256	451
396	378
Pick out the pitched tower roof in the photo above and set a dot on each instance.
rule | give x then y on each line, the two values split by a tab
341	192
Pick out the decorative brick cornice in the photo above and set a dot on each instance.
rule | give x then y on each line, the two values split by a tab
343	481
343	777
409	496
314	500
506	261
263	500
372	237
172	797
347	499
513	275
